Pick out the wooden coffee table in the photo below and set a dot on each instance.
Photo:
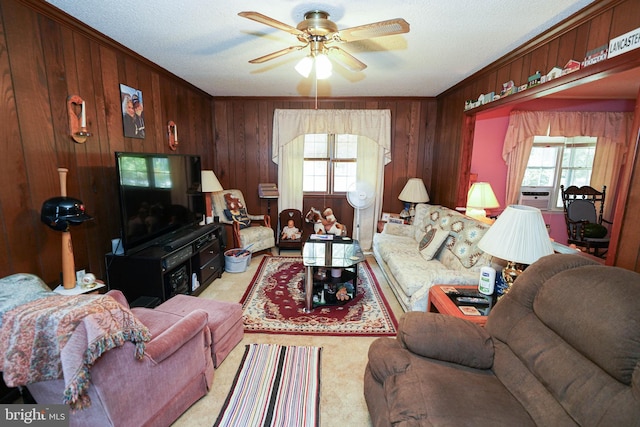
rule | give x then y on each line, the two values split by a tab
441	302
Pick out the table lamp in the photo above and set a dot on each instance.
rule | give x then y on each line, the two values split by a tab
479	198
519	236
210	184
413	192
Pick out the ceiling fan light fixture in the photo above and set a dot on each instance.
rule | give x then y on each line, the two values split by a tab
323	66
304	66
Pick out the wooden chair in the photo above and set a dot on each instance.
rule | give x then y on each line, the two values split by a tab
287	242
583	210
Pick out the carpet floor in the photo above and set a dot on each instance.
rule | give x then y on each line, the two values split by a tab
343	360
274	303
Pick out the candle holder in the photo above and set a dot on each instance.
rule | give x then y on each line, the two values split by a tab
172	132
77	122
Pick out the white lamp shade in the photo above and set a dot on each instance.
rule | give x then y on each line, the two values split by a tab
304	66
519	235
210	183
323	66
414	191
481	196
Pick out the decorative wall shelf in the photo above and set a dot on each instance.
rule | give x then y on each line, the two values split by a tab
593	73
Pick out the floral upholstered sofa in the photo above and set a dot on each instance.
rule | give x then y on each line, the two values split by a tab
440	247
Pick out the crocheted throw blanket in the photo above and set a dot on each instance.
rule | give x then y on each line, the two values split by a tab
62	337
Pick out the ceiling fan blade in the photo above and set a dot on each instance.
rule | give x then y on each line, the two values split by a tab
276	54
346	59
263	19
376	29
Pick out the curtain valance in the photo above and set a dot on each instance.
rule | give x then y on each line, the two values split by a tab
373	124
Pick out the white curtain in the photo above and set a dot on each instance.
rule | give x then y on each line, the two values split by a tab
290	173
289	128
611	128
371	171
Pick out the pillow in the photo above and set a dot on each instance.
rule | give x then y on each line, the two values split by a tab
240	216
431	242
595	231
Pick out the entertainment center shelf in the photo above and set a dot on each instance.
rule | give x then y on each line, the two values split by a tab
184	264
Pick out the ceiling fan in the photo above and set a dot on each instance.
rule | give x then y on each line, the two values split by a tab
322	34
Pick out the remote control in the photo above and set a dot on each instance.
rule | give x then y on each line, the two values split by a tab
472	300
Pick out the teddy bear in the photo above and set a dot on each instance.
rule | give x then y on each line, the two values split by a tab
235	211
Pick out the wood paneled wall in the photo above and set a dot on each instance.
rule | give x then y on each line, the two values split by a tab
243	134
45	56
588	29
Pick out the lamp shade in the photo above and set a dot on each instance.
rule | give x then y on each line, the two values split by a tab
519	235
323	66
304	66
210	183
481	196
414	191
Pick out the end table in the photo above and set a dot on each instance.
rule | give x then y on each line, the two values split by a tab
441	302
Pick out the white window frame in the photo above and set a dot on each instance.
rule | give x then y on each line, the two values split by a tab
331	161
561	142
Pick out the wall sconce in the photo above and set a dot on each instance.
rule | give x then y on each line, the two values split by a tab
77	122
172	131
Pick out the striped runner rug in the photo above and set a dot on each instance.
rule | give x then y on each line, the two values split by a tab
275	386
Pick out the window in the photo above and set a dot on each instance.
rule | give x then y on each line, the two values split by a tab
330	163
556	161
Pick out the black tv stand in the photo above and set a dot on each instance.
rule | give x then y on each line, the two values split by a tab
185	263
184	236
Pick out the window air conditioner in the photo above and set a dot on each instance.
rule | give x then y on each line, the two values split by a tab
537	197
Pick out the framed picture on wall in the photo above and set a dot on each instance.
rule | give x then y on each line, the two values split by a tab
132	112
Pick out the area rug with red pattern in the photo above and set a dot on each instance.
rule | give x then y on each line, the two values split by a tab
274	303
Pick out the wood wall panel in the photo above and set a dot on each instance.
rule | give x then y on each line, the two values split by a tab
46	56
242	144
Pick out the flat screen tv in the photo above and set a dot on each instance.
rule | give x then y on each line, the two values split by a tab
160	195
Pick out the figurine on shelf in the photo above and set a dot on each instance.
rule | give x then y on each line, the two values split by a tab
344	292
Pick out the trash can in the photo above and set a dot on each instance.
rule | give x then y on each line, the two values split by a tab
237	260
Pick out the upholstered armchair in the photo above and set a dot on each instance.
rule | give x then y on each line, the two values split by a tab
126	387
247	229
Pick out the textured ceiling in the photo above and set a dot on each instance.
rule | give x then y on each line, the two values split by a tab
206	43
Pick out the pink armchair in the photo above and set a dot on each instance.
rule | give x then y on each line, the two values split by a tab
175	371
